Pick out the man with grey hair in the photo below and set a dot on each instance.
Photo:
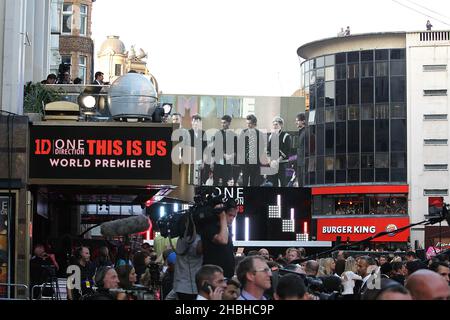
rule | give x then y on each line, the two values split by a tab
427	285
311	268
255	277
279	162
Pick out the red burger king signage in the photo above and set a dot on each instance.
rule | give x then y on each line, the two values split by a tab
356	229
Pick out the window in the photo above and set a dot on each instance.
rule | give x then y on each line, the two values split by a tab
341	114
382	111
398	111
367	90
341	93
435	142
435	192
367	136
341	72
439	92
367	112
329	60
398	68
434	117
353	112
382	135
398	54
353	71
382	89
341	58
353	56
118	70
366	69
320	62
381	54
382	160
341	137
82	68
329	93
398	89
367	55
436	167
353	91
353	136
329	139
435	67
381	69
67	19
83	19
329	74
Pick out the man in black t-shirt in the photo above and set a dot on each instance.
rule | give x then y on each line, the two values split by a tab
87	273
218	242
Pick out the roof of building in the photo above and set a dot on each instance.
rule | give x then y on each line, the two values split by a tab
112	43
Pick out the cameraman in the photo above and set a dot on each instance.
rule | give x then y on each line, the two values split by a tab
217	240
41	268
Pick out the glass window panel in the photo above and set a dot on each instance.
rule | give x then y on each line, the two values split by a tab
398	135
320	115
398	111
367	136
381	69
381	54
329	139
353	91
341	92
398	68
341	137
367	175
67	24
367	161
341	58
367	112
367	90
353	161
398	175
329	177
353	112
320	173
353	56
381	135
353	176
307	79
353	136
320	75
67	7
329	115
381	175
398	54
329	60
312	177
398	160
367	55
312	164
329	74
398	89
329	163
382	160
312	64
320	62
312	140
341	162
341	113
312	97
329	93
320	131
306	66
341	176
306	143
381	111
382	89
341	72
366	70
312	77
353	71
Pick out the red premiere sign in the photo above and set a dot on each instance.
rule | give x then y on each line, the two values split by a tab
356	229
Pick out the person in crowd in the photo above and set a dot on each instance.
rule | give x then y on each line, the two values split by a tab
382	260
197	135
429	25
398	272
210	282
366	266
123	256
177	118
427	285
51	79
291	287
263	252
168	276
223	160
340	267
311	268
233	289
441	268
329	267
413	266
65	78
255	277
82	258
141	260
292	254
300	121
77	81
389	290
279	161
127	279
103	258
217	241
188	263
106	278
251	139
98	80
411	256
42	268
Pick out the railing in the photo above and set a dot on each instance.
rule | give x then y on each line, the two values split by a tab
15	285
435	36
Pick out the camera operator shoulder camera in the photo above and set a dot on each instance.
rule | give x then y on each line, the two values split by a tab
212	216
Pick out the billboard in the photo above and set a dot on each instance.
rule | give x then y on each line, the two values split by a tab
357	229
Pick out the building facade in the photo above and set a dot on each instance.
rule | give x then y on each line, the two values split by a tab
376	139
75	43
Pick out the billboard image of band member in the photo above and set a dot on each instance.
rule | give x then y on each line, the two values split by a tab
279	161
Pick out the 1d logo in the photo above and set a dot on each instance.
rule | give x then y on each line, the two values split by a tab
74	278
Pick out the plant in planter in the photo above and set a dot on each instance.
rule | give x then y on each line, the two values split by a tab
36	96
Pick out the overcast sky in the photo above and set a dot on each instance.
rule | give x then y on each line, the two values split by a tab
245	47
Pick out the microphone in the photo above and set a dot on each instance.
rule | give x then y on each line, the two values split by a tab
127	226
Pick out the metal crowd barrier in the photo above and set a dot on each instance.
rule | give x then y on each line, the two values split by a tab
15	285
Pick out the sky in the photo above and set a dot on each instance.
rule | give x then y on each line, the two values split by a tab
246	47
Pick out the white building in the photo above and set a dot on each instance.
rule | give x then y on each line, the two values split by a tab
25	42
428	59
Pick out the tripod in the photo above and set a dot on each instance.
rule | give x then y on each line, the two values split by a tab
51	286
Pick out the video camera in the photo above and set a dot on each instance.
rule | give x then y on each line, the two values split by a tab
206	209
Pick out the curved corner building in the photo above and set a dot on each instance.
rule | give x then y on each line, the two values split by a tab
376	151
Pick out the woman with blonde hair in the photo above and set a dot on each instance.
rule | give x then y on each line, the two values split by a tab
351	265
329	267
